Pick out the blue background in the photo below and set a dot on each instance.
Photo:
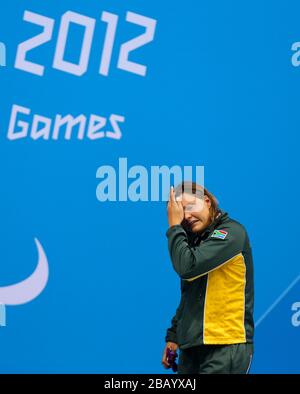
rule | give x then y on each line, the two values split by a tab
220	91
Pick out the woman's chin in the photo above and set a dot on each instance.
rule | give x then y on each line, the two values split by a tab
196	227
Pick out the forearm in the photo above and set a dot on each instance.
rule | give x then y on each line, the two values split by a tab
182	258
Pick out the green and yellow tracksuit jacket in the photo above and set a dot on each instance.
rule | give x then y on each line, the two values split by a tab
216	272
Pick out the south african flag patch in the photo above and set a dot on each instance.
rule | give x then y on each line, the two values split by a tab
219	234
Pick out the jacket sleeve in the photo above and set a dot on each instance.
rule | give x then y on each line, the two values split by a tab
171	335
191	262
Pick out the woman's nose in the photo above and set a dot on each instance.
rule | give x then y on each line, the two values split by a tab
187	215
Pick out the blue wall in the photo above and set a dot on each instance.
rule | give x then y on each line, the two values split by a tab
221	91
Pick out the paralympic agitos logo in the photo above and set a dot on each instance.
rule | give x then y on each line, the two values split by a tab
28	289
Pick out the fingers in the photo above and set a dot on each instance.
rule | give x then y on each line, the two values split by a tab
173	346
172	199
165	364
164	361
180	206
172	194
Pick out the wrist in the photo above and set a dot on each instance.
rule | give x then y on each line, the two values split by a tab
174	223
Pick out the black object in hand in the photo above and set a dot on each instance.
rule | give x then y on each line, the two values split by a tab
171	358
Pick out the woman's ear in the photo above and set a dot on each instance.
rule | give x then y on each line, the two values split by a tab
207	201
